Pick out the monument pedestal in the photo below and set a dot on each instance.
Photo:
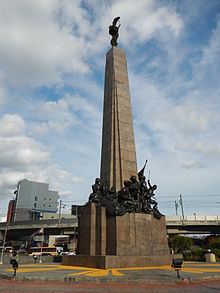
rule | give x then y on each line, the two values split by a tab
115	261
132	240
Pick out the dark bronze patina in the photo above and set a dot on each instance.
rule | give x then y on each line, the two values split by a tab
113	31
135	197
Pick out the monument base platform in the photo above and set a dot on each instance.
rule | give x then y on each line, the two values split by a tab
131	240
115	261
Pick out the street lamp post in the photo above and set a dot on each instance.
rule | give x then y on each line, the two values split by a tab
176	207
3	245
181	204
194	215
61	206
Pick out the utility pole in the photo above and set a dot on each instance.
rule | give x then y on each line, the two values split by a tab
76	211
61	206
60	211
181	203
3	245
176	207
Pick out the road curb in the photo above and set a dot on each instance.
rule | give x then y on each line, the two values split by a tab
181	281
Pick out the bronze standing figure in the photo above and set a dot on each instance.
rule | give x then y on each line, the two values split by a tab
113	31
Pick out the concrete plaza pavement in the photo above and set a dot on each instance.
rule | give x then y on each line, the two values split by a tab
191	271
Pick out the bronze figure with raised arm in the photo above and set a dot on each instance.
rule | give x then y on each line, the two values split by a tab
113	31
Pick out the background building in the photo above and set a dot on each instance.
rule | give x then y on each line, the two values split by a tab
75	209
57	216
10	213
33	199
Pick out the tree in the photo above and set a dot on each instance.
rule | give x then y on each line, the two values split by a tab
180	244
212	241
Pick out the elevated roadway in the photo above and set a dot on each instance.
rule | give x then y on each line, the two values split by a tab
193	227
50	227
175	225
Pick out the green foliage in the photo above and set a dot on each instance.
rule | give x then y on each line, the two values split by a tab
180	244
196	254
213	242
194	249
217	253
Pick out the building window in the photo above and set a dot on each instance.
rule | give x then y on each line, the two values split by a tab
44	205
49	205
35	205
35	198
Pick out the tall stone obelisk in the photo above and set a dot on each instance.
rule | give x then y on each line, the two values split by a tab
132	239
118	159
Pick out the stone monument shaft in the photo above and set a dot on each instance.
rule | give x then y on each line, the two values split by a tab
118	158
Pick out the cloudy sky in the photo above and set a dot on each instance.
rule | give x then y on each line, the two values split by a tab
52	58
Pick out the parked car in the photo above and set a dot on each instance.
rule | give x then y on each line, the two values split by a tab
71	253
22	251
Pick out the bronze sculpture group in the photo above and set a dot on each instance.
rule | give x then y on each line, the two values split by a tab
136	196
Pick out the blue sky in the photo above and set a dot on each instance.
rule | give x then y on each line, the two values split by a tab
52	58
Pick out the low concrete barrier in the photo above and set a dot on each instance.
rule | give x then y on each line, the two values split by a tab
26	259
210	257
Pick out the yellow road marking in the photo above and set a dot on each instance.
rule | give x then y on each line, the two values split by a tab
209	270
117	273
144	268
61	267
80	273
39	265
46	266
197	268
26	270
99	273
203	265
194	271
57	267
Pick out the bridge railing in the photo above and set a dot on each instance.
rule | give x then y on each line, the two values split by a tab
195	217
41	223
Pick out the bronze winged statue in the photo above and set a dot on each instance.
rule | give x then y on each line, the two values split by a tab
113	31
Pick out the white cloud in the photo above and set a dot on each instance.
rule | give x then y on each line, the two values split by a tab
56	115
207	70
142	20
41	41
2	95
165	116
193	165
34	48
21	157
72	112
177	119
206	148
11	125
17	150
184	117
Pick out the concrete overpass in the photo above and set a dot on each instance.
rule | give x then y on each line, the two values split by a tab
193	225
51	227
175	225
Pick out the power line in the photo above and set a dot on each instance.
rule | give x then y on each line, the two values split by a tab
189	195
